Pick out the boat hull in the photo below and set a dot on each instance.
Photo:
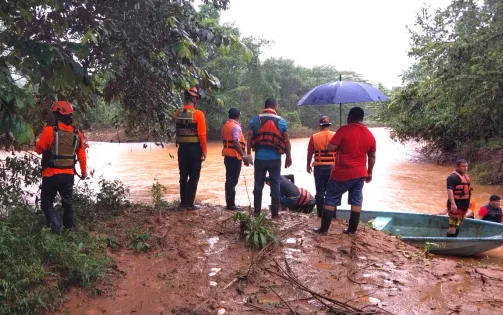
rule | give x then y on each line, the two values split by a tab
429	231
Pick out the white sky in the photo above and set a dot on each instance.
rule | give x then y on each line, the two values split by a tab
365	36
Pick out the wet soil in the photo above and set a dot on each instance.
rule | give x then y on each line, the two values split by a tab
197	264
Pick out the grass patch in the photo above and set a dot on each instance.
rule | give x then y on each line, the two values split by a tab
36	266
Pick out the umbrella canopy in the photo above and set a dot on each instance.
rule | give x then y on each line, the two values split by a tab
342	92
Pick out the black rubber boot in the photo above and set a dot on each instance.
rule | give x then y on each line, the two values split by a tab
257	203
457	232
354	219
274	208
335	214
319	207
451	235
326	220
231	201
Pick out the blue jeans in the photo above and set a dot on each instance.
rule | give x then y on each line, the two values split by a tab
335	190
261	169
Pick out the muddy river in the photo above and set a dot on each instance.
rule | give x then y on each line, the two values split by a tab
400	183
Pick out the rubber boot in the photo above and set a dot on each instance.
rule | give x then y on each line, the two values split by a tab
457	232
274	208
451	235
319	207
326	220
354	219
231	201
257	204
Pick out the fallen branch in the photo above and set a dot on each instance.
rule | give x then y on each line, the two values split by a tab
265	248
294	281
231	283
293	312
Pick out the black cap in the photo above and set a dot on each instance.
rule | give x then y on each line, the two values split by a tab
234	112
494	198
325	121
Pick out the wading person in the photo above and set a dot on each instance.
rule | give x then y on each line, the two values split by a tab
268	136
192	147
234	156
458	196
354	143
323	160
60	145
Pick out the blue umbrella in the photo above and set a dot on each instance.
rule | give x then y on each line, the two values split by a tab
342	92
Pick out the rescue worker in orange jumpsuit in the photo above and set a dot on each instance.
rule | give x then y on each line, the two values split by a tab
234	156
458	193
192	147
60	146
324	160
268	136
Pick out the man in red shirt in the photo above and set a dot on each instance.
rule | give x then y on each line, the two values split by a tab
354	143
491	211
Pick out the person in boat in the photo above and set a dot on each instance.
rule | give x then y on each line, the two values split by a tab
292	197
492	210
470	214
459	193
324	161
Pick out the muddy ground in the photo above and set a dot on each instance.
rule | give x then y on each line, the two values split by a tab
197	264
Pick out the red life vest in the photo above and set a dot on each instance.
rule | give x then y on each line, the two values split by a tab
268	134
462	190
304	198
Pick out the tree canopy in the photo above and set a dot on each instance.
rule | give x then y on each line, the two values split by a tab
453	94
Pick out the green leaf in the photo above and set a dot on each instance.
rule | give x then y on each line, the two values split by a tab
23	132
255	240
263	239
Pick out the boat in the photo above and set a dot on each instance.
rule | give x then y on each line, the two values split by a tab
429	231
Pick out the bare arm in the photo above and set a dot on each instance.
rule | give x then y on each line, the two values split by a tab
237	145
248	142
288	150
372	161
450	195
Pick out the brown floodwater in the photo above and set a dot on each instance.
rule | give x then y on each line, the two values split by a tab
400	182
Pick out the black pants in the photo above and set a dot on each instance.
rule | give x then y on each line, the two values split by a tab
62	184
321	177
189	164
261	169
232	172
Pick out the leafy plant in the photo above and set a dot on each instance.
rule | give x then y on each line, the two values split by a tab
254	229
112	196
137	240
158	191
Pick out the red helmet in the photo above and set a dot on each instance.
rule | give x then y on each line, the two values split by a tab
62	107
194	92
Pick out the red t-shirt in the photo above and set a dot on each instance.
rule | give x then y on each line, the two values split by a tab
353	142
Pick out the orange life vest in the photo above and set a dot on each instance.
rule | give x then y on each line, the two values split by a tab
268	134
462	190
229	149
304	198
321	154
